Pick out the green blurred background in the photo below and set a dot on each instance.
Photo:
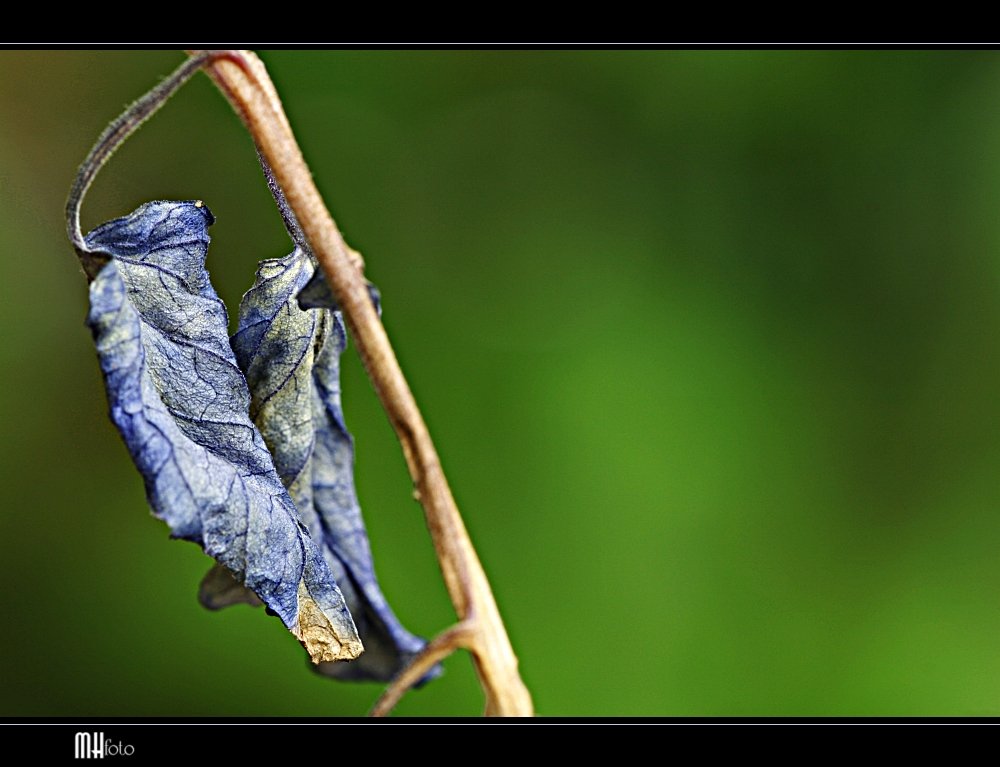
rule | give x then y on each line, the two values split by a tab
709	343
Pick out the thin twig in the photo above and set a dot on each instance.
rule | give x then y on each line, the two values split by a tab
252	94
115	135
440	647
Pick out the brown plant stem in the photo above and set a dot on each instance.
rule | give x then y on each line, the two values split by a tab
123	126
249	89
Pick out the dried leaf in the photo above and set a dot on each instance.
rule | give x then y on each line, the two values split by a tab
291	358
181	405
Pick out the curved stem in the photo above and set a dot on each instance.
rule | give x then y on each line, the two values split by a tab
444	644
118	132
252	94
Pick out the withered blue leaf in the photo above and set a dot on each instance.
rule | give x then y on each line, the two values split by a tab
291	358
182	405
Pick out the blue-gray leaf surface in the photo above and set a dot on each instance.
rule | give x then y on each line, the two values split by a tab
182	407
291	358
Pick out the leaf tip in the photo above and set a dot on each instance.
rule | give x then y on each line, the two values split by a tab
319	636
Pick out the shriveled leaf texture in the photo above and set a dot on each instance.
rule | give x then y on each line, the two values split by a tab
291	358
182	407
